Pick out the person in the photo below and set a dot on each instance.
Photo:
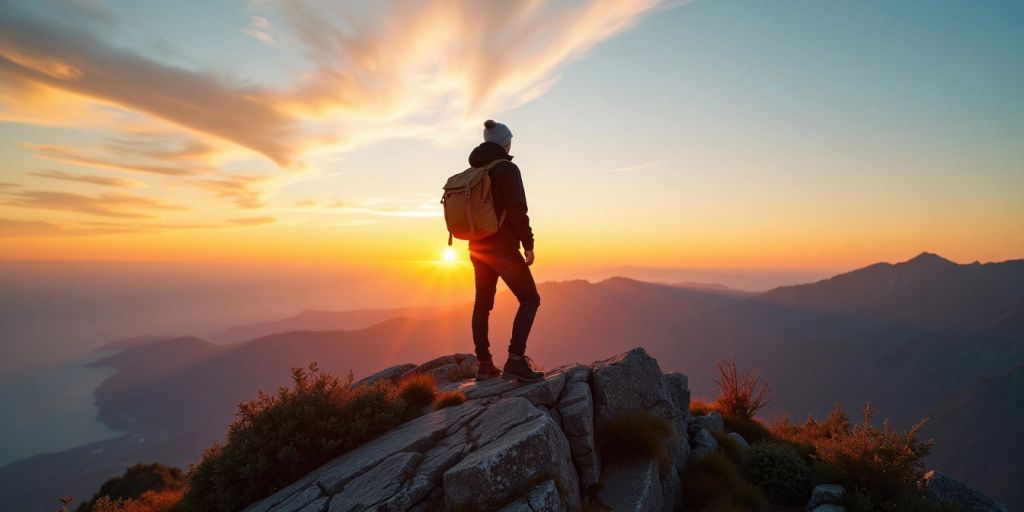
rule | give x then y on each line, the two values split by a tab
498	256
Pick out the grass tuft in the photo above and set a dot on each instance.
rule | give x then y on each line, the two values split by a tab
449	399
715	483
635	435
417	390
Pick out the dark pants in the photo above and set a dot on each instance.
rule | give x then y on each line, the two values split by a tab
511	268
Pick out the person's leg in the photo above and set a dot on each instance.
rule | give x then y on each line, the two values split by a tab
516	274
486	279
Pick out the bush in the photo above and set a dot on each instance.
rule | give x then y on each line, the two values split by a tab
449	399
714	483
162	501
136	481
279	438
742	395
635	435
779	471
417	390
880	465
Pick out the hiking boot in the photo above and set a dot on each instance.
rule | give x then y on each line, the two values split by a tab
521	369
486	371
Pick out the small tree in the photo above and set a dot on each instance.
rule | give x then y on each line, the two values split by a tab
742	395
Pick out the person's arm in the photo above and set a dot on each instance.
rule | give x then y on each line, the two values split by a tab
515	206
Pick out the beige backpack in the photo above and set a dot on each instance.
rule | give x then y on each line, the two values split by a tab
469	206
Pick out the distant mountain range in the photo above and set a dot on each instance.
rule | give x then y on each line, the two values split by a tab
926	337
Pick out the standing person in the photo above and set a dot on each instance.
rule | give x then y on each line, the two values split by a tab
498	256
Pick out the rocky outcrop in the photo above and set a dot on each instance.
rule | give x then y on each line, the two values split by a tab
825	495
511	447
945	491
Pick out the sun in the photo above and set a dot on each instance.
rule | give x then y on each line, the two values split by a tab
449	254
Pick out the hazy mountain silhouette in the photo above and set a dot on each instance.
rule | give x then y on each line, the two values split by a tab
907	337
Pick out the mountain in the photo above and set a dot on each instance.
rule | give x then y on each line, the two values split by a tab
908	337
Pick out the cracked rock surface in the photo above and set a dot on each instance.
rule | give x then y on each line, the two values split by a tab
511	447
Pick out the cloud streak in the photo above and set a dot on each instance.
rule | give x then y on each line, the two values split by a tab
86	178
104	205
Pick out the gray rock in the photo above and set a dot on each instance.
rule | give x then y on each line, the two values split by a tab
392	374
704	444
633	487
712	421
377	484
627	383
679	390
943	489
830	508
826	494
445	368
743	444
319	505
545	497
508	457
576	407
671	490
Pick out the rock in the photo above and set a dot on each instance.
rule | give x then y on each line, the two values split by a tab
377	484
943	489
543	497
743	444
508	456
576	407
712	421
704	444
679	390
450	368
830	508
672	490
392	374
627	383
633	487
826	494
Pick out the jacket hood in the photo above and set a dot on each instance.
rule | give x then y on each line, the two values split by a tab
486	153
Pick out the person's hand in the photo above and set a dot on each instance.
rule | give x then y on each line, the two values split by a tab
529	257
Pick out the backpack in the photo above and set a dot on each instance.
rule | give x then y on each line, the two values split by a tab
469	206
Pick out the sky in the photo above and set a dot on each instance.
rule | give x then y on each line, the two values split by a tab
704	134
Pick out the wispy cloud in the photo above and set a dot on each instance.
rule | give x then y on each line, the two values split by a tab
259	28
253	221
103	205
10	228
631	168
86	178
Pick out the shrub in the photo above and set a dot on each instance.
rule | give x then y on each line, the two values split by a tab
417	390
779	471
162	501
449	399
136	481
728	446
635	435
279	438
742	395
881	464
714	483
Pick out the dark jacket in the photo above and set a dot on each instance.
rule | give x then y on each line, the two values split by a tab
509	198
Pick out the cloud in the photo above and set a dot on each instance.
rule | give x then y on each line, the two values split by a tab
62	56
10	228
85	178
104	205
241	189
259	28
83	157
253	221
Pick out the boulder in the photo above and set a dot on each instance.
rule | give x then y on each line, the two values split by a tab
830	508
671	490
944	490
377	484
576	408
704	444
450	368
632	487
826	494
393	374
513	446
679	390
740	441
630	382
543	497
712	421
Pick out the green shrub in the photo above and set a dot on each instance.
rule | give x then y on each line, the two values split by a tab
714	483
136	481
417	390
279	438
779	470
635	435
881	464
449	399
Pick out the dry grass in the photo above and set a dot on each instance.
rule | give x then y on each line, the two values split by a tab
417	389
742	395
715	483
164	501
449	399
635	435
